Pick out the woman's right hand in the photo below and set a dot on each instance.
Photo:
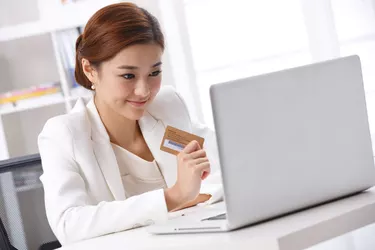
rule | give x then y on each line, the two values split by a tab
193	167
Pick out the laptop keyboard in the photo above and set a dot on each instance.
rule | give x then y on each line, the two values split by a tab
217	217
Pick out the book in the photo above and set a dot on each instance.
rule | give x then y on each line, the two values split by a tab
35	91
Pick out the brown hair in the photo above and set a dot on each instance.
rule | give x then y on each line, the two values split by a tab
110	30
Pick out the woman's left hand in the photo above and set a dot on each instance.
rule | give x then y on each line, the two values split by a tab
200	199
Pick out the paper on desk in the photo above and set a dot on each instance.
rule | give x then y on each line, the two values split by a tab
216	192
217	196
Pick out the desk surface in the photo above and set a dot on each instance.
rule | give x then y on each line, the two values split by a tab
292	232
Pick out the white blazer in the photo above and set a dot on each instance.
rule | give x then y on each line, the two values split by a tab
84	195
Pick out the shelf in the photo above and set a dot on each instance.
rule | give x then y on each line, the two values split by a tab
54	18
32	103
32	29
44	101
21	30
29	187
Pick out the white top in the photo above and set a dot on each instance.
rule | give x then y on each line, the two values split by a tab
138	175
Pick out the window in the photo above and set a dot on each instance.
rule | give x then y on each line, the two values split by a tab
236	39
355	25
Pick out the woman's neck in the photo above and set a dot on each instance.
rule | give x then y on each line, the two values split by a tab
121	131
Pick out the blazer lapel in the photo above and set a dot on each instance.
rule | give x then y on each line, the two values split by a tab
104	153
153	132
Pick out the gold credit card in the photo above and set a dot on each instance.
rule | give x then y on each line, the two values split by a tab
175	140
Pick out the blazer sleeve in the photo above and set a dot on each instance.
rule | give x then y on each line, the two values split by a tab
213	184
71	213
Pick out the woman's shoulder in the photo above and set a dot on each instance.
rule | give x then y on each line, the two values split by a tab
169	106
74	123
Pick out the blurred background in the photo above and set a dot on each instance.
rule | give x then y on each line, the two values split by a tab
208	42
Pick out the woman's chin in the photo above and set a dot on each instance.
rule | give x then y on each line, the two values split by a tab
135	114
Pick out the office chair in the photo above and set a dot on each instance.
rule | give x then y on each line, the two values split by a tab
13	165
50	246
4	240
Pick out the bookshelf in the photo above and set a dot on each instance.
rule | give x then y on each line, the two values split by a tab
36	48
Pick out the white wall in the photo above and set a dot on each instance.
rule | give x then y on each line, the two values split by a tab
26	10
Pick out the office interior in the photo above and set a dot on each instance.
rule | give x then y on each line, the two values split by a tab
208	42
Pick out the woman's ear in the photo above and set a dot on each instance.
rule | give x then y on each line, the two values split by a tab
90	71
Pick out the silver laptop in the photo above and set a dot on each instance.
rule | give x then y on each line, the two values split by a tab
287	141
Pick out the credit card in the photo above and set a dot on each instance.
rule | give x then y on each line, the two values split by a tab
175	140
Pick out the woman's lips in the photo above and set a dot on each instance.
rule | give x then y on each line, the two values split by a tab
137	104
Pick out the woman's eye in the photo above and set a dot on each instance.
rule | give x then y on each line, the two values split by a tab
155	73
128	76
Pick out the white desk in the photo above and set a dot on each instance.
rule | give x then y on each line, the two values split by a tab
293	232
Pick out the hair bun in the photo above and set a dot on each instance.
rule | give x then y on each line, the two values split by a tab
79	42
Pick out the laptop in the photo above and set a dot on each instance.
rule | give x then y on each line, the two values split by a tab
287	141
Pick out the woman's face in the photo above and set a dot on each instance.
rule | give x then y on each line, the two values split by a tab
130	81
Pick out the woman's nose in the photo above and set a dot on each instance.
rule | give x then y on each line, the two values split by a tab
142	89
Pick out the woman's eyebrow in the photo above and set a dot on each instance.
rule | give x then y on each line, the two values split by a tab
135	67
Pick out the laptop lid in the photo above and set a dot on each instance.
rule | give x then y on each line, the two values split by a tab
292	139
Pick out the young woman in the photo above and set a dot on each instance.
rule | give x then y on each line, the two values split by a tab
104	171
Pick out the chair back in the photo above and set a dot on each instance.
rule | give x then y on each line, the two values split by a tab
4	240
24	222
